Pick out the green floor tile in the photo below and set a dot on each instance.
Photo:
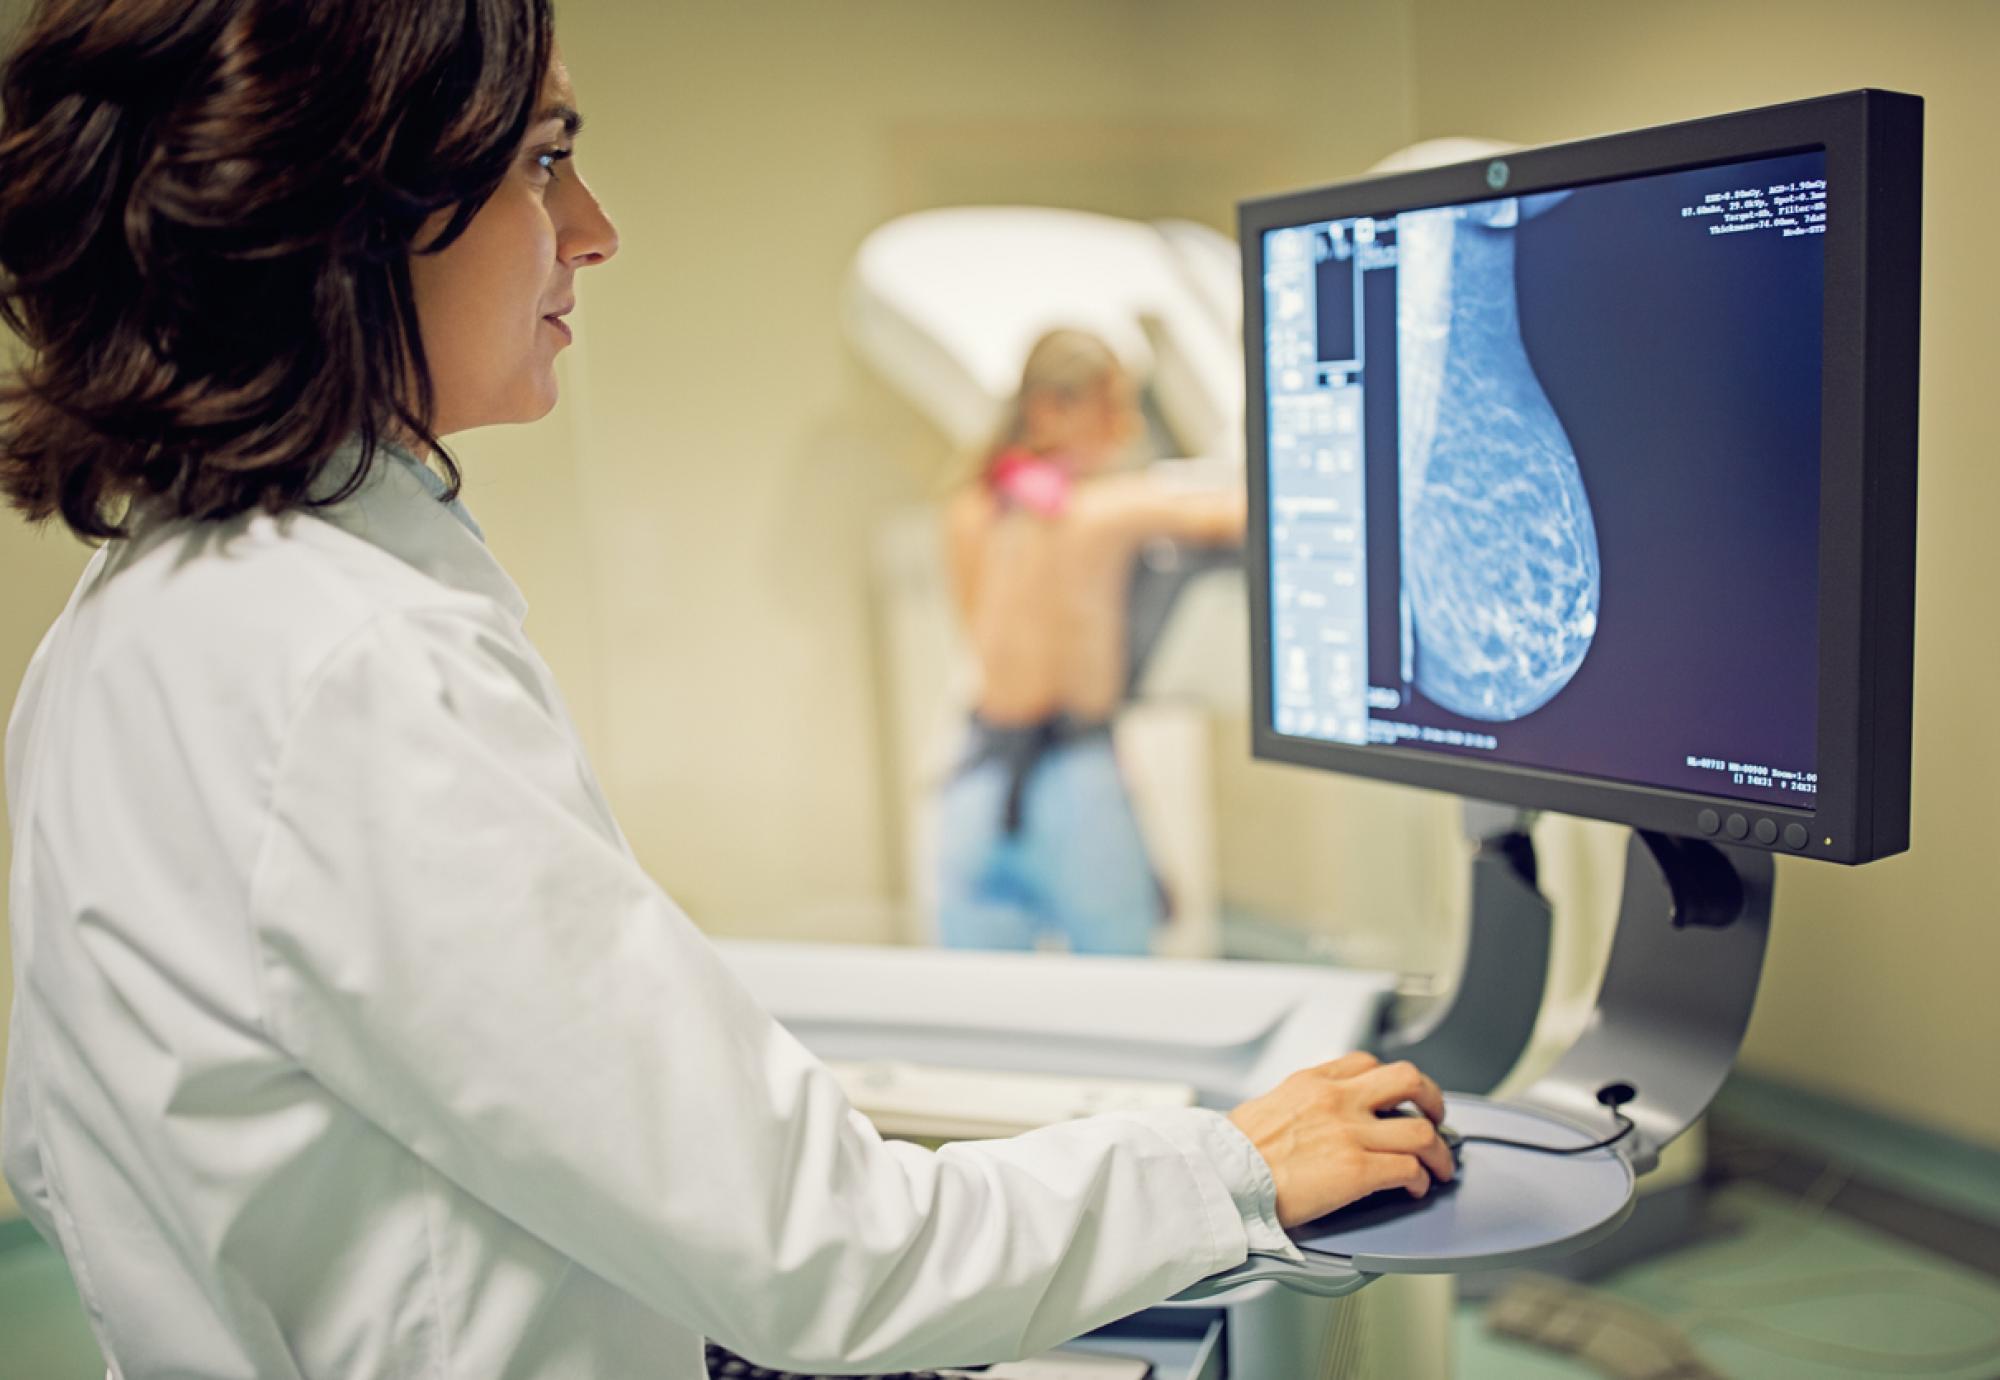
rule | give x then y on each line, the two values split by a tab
1791	1293
43	1335
1918	1160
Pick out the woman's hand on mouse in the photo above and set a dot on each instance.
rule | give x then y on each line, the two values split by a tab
1322	1133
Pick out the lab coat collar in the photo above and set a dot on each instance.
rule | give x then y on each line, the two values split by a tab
395	510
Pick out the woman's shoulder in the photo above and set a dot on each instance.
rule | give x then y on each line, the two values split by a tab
198	641
968	513
252	596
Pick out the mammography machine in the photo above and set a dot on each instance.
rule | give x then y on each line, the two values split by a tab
1582	479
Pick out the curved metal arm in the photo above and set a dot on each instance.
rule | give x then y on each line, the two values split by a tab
1677	990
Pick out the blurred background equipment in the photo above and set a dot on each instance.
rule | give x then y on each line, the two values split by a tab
945	305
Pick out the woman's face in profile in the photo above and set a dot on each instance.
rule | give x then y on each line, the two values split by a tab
490	305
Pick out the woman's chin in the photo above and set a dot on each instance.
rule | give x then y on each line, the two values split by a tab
537	402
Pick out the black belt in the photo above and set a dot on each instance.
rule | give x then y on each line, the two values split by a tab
1022	747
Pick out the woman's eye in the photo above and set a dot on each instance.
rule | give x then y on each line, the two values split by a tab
547	159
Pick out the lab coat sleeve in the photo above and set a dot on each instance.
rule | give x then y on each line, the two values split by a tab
452	936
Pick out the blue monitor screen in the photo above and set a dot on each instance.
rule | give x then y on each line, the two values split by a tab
1543	478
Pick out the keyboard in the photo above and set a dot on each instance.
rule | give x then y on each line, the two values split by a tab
724	1364
930	1102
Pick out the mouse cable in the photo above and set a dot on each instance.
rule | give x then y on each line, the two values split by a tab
1611	1096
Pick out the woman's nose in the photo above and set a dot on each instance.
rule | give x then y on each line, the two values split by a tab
589	237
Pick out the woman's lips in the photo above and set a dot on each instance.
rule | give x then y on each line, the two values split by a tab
561	325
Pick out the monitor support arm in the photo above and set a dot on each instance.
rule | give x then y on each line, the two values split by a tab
1676	997
1677	992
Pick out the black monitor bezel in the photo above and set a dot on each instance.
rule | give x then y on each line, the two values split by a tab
1873	142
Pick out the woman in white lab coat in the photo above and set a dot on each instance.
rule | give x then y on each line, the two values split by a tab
348	1038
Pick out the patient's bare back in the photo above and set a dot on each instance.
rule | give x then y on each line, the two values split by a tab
1042	595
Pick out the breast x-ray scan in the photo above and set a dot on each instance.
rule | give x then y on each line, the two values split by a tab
1544	477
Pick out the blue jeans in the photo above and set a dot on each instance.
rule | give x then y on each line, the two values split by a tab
1076	868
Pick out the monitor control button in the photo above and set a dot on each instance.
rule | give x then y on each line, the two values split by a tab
1738	826
1708	821
1767	831
1795	836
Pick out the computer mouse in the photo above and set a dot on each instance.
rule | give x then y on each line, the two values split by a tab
1450	1137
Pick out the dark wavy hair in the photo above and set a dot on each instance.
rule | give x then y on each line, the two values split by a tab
207	213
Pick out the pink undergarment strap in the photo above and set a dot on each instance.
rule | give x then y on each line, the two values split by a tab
1038	483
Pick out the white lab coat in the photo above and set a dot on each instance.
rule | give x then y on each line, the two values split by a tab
349	1038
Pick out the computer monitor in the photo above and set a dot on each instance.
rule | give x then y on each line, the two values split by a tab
1584	478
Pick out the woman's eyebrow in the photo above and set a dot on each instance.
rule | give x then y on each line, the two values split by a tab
571	120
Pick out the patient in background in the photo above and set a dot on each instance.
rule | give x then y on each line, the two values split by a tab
1038	841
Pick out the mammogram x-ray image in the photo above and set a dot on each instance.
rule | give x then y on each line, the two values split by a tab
1501	575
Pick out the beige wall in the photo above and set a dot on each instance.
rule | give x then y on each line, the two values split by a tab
735	459
1879	985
